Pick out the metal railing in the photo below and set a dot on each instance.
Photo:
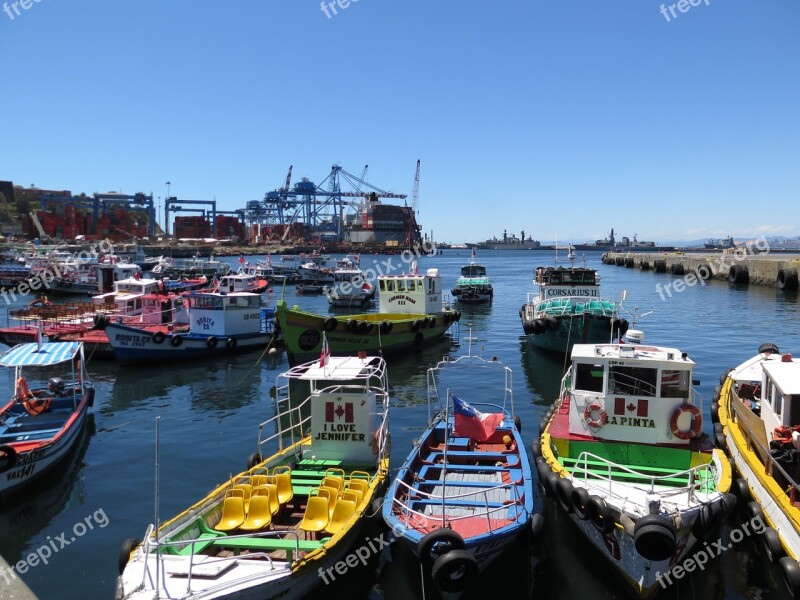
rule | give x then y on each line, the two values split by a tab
693	475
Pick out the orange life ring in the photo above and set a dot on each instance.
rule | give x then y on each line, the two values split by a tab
602	417
697	422
22	390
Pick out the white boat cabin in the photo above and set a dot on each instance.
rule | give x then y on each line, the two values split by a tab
131	288
239	282
110	273
773	381
411	293
222	314
162	309
631	393
562	282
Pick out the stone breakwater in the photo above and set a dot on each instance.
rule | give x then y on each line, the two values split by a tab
742	267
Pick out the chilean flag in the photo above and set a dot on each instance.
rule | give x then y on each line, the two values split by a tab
241	260
326	351
472	423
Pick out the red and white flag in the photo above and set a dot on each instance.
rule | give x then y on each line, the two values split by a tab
472	423
241	260
326	351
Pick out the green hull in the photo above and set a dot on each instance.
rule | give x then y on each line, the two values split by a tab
577	329
347	335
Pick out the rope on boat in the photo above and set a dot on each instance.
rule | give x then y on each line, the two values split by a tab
266	350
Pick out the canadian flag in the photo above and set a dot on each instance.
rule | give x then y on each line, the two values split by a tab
326	351
241	259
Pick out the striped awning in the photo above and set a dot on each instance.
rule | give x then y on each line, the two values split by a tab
29	355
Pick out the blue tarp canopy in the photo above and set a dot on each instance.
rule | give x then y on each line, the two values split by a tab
29	355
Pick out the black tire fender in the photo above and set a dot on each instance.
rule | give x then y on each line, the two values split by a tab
772	545
8	458
768	347
230	343
791	575
655	537
329	324
159	337
212	342
787	279
563	494
128	546
436	544
741	490
176	340
454	571
598	512
580	502
253	460
517	423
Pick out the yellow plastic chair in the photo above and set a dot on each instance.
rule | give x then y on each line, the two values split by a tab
232	513
344	509
247	491
352	495
283	481
316	517
270	490
335	472
336	483
257	480
259	515
331	494
361	485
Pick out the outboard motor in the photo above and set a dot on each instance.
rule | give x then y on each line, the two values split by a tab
56	386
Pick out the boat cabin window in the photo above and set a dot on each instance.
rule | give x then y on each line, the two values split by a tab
389	285
473	271
675	384
632	381
401	285
411	285
589	378
206	302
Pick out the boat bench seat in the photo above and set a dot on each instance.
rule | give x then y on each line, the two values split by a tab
481	456
266	544
206	540
309	462
514	473
421	504
475	484
456	443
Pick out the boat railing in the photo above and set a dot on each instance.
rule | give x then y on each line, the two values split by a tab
152	545
766	459
467	361
627	385
294	430
697	476
516	501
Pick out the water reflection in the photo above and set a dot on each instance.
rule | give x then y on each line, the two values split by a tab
24	514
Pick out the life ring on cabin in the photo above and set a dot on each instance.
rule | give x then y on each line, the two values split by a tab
176	340
697	422
8	458
211	342
602	416
159	337
230	343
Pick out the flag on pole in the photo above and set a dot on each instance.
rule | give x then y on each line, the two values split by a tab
326	351
241	260
472	423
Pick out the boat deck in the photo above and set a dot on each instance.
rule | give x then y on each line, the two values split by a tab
16	425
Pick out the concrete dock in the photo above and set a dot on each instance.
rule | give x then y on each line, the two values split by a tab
743	266
11	586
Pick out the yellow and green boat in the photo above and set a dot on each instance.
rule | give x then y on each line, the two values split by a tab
276	529
413	312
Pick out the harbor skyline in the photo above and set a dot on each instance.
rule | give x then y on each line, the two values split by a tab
581	109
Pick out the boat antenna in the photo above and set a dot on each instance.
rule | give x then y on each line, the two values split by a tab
156	516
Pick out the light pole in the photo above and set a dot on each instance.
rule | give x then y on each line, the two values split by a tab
166	214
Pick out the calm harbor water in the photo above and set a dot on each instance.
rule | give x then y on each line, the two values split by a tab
209	414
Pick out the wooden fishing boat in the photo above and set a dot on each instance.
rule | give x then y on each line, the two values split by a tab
623	456
567	309
412	313
219	323
276	529
758	414
464	494
42	422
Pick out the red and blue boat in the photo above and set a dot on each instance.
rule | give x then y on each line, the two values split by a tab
464	494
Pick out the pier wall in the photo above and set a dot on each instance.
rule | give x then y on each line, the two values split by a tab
11	586
743	267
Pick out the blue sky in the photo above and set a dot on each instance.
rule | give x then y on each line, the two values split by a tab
562	118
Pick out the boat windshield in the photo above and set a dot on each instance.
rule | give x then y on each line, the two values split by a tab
473	271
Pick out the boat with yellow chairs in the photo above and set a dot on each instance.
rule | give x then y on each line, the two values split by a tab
758	414
276	529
